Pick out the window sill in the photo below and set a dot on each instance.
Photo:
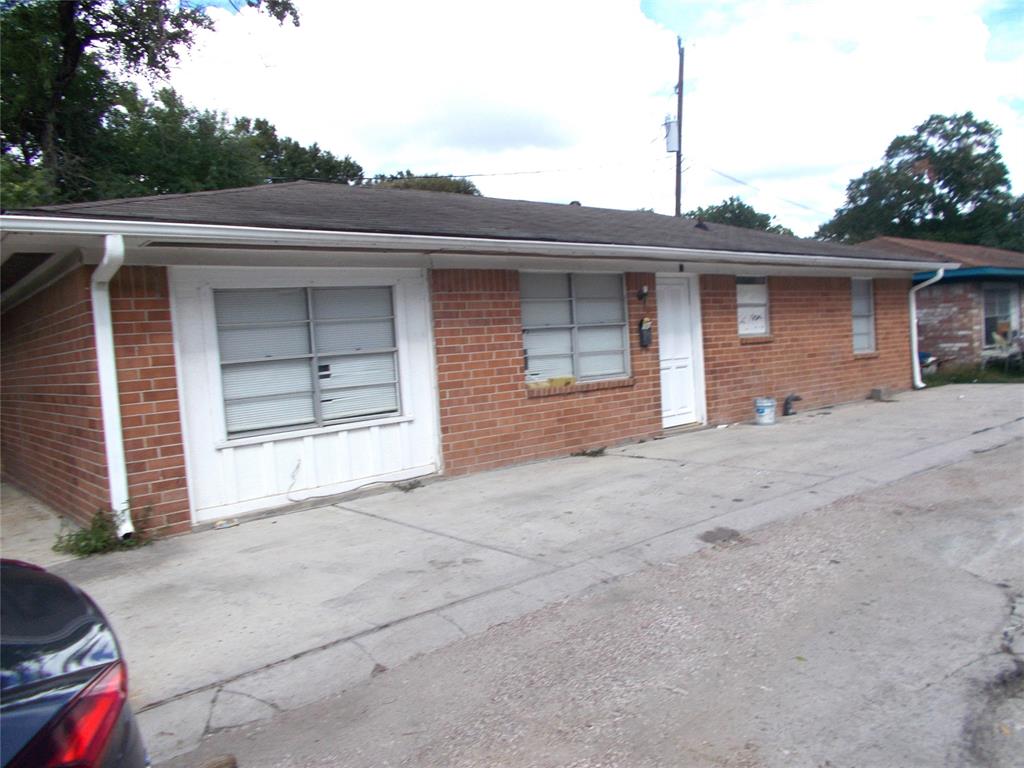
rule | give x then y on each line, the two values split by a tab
583	386
747	340
865	355
295	434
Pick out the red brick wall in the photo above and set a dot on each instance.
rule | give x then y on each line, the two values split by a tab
52	439
150	417
951	321
52	424
488	416
810	349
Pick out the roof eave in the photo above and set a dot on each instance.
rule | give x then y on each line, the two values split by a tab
974	273
214	235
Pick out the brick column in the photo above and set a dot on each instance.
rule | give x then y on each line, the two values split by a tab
154	450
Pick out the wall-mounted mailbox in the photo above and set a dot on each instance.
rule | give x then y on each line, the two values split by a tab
645	331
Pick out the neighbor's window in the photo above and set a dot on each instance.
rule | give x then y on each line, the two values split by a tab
574	325
1001	315
295	357
752	306
863	314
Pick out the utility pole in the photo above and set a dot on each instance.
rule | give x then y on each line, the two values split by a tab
679	131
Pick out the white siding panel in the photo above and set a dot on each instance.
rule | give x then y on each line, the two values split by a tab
343	468
402	437
249	474
325	457
233	476
267	455
391	447
229	488
362	453
287	465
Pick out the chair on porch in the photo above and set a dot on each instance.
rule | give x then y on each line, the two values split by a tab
1003	350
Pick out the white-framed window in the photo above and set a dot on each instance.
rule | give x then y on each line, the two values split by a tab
302	357
1002	311
752	306
574	325
863	299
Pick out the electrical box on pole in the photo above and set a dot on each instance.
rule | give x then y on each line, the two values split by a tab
671	134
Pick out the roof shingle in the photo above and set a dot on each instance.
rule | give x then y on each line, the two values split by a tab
335	207
967	255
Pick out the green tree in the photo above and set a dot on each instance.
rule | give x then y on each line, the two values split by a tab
431	182
946	181
23	186
284	159
163	147
30	47
60	58
1010	233
736	213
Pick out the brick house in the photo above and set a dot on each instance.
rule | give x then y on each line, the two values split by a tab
958	315
196	357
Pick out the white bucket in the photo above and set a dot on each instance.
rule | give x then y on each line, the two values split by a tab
764	409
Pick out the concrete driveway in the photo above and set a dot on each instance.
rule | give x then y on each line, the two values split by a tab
233	626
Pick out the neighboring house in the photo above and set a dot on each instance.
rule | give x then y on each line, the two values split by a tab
959	317
202	356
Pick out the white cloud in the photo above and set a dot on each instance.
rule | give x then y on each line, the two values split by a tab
794	97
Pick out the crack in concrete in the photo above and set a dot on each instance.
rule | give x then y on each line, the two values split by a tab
649	458
1007	685
270	704
979	658
353	638
772	470
1013	632
1012	625
995	447
209	714
455	624
366	653
723	465
434	532
210	729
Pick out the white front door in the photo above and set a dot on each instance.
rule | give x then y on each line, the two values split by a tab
679	349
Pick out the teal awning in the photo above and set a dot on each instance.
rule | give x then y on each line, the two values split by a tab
975	273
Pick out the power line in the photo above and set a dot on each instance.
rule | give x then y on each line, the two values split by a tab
540	171
772	194
653	167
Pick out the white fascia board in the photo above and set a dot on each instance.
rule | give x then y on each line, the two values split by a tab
432	245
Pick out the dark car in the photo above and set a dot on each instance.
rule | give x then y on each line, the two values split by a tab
63	680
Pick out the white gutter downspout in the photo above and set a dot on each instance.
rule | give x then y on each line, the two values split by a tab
110	399
915	360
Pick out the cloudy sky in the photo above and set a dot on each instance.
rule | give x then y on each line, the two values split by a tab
557	100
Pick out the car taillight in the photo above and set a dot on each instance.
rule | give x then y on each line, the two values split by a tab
79	735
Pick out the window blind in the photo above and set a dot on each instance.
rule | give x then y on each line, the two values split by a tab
573	325
305	356
752	306
863	314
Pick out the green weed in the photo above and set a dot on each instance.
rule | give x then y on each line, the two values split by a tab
967	374
100	537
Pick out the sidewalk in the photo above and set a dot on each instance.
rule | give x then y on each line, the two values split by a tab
28	528
226	627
